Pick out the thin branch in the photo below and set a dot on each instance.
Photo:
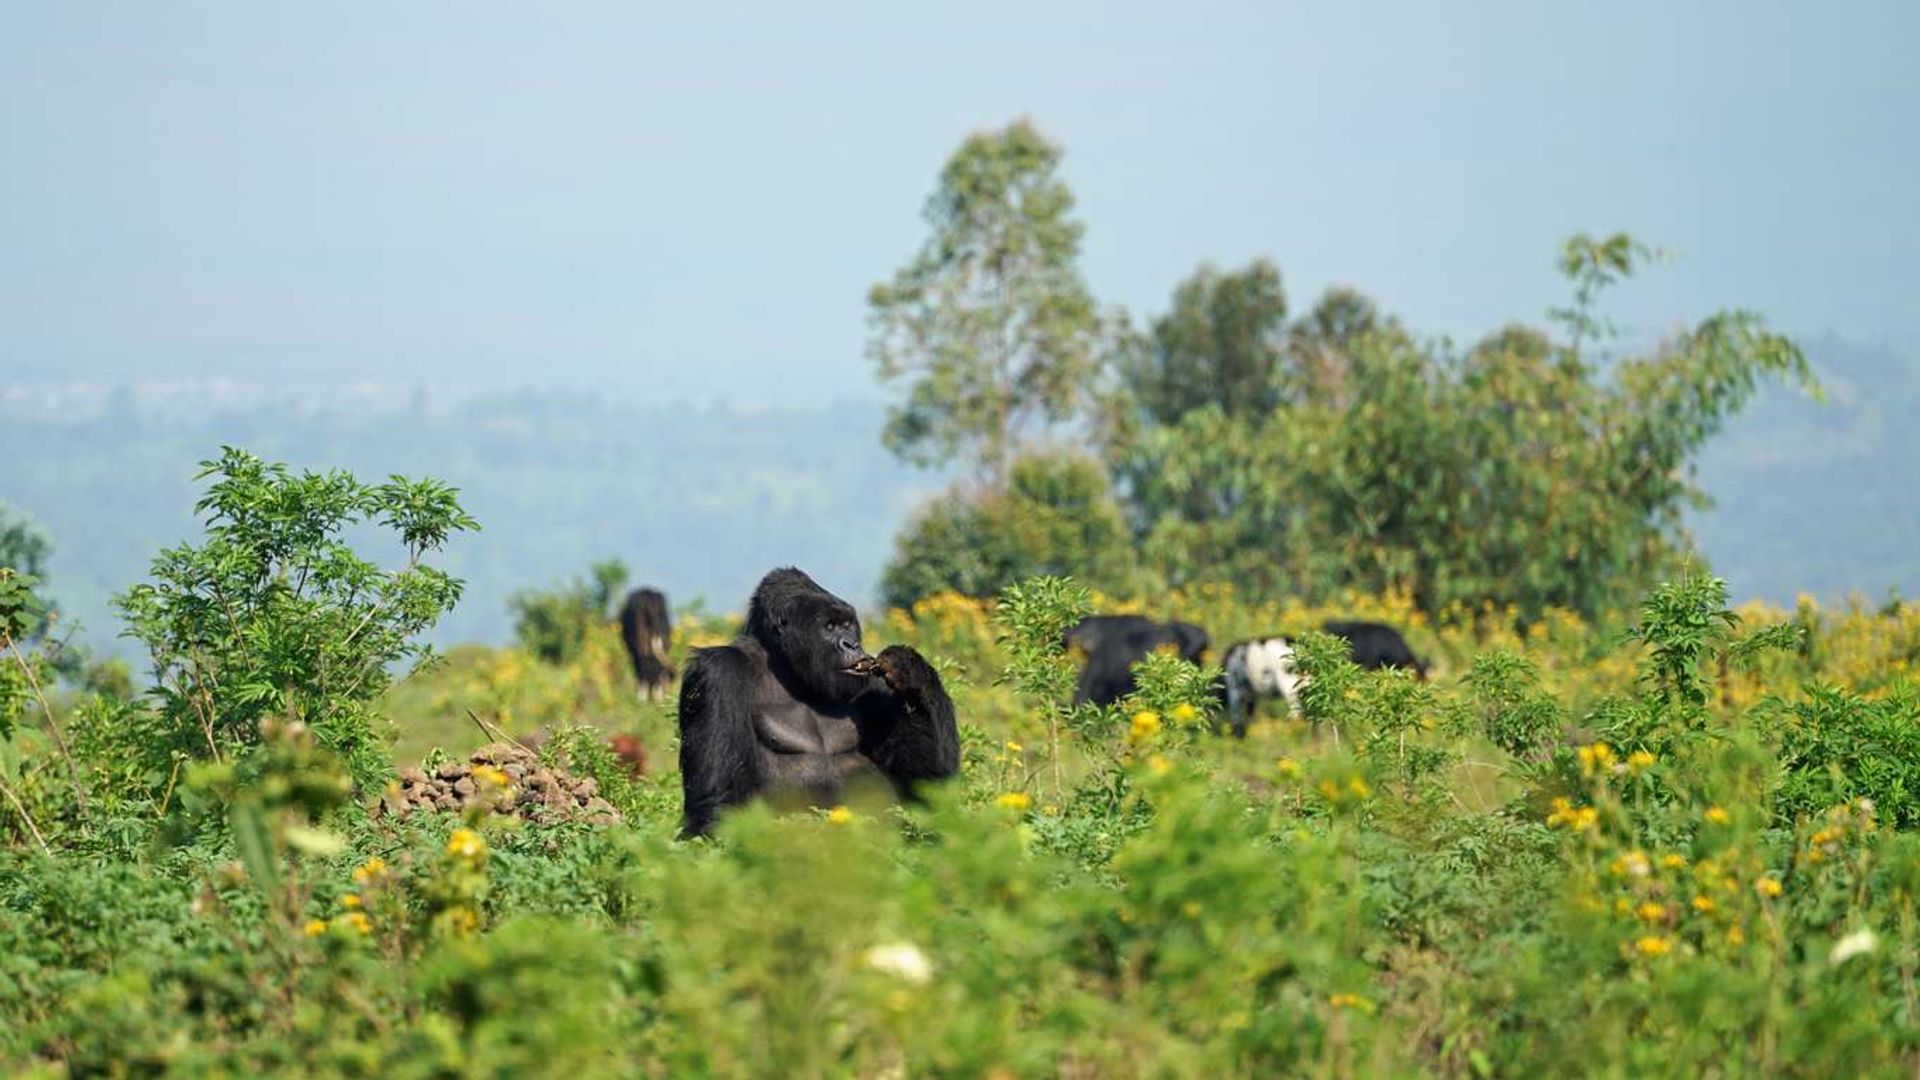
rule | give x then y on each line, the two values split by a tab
53	723
20	809
488	730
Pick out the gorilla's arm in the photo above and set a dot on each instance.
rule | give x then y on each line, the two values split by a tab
907	730
719	756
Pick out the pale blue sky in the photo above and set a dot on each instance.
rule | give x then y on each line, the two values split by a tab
693	204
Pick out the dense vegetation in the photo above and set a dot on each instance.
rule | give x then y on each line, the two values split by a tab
1685	848
1291	457
1624	830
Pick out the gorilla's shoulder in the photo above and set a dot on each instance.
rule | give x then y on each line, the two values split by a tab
741	657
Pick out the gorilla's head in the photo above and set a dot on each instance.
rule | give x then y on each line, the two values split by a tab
816	633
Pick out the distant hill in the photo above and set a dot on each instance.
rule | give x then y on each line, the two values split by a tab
701	500
1821	498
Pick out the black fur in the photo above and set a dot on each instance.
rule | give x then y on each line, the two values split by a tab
645	629
778	712
1114	643
1376	645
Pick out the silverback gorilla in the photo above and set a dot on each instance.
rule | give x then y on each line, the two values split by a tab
796	709
645	629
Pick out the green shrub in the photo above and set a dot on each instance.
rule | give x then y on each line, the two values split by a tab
275	613
1055	517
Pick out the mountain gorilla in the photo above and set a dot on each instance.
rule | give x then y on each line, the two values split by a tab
796	708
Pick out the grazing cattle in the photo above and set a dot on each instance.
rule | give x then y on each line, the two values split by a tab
1260	668
1114	643
645	628
1376	645
1264	667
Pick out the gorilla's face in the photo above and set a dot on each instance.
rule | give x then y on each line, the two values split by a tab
815	632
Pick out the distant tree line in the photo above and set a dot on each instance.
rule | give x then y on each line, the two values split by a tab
1231	440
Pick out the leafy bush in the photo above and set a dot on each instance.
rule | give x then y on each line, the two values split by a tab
275	613
1680	851
1055	517
554	625
1521	471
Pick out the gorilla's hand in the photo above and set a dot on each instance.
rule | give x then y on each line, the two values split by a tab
906	671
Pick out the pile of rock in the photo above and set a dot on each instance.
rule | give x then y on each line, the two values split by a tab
534	791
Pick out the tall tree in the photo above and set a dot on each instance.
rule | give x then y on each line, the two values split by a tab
990	325
1221	344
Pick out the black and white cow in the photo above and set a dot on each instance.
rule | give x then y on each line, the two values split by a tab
1264	667
1256	669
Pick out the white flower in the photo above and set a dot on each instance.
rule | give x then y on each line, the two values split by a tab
1858	943
902	960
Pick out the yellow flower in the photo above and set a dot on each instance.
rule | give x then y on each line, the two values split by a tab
1350	1001
1651	912
1673	862
316	927
1184	713
839	815
1703	904
369	870
1577	819
1653	946
466	844
1717	815
1288	768
487	774
1159	766
356	921
1736	936
350	901
1640	761
1014	747
1769	886
1014	800
1359	788
1594	758
1146	724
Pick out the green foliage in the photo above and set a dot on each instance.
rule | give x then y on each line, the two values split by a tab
1221	345
1056	516
1837	746
275	614
1173	904
1515	473
1508	705
24	546
554	625
990	323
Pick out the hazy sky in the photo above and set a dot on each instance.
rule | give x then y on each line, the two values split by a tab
469	194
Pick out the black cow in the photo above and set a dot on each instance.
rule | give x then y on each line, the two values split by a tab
1376	645
645	628
1114	643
